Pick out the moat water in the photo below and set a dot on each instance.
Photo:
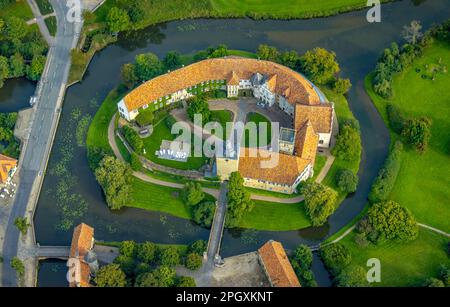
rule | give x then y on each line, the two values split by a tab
357	45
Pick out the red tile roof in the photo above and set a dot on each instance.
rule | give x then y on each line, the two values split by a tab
277	266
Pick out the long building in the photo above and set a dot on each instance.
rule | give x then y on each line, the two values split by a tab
271	84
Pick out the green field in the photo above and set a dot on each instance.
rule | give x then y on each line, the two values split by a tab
276	217
408	264
153	143
19	9
423	184
158	198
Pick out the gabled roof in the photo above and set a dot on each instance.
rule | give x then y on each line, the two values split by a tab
285	170
6	164
306	142
277	265
272	83
233	79
321	116
82	240
223	69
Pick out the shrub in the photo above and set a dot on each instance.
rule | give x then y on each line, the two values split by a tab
203	213
341	86
347	181
348	144
434	283
384	183
194	261
185	282
133	139
110	276
193	193
395	117
145	118
418	133
352	276
392	222
169	256
198	247
335	257
169	121
320	202
146	252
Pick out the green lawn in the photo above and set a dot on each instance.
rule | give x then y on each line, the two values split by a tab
276	217
158	198
423	184
51	25
223	117
19	9
44	7
406	264
261	139
153	143
343	112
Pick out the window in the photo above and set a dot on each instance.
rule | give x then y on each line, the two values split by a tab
321	142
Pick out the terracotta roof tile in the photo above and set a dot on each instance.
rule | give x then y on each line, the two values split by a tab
277	265
321	116
82	239
220	69
286	170
306	142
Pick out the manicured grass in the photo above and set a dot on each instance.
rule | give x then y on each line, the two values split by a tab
153	143
276	217
285	8
19	9
98	130
158	198
44	7
51	25
423	184
261	139
343	112
223	117
407	264
320	163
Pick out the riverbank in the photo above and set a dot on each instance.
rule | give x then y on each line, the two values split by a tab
417	96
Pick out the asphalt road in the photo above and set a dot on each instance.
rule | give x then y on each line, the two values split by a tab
36	152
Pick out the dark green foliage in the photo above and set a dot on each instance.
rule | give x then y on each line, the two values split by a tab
198	247
185	282
193	193
347	181
239	200
392	222
146	252
169	256
110	276
434	283
395	117
320	202
417	132
145	118
218	52
34	71
147	66
117	20
129	76
352	276
194	261
163	276
95	156
199	105
7	125
268	53
115	177
444	274
335	257
135	162
341	86
133	138
169	121
290	59
387	176
301	262
203	213
128	248
319	65
348	144
172	60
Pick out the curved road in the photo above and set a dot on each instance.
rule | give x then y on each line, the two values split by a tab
34	156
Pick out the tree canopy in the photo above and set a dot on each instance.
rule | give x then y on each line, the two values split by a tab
319	65
239	200
110	276
320	202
